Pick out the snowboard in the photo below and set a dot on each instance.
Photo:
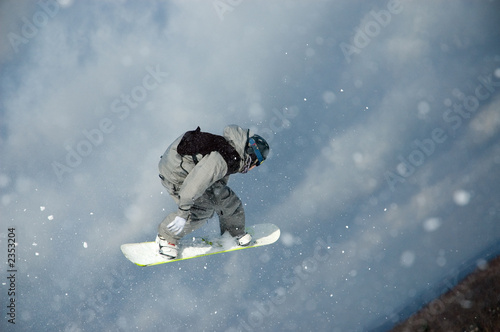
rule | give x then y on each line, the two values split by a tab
146	253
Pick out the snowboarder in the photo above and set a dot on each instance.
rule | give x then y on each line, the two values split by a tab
195	170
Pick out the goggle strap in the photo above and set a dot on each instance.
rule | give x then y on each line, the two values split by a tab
256	151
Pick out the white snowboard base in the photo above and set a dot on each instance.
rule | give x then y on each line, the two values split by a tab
146	253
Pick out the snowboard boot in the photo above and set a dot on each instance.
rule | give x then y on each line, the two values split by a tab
166	248
244	240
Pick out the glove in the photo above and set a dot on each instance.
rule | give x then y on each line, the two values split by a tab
177	225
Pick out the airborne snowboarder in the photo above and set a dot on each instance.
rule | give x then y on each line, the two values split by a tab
195	170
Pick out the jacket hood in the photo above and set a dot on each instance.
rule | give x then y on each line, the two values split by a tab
238	138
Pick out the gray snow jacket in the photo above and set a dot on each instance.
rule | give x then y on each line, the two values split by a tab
186	180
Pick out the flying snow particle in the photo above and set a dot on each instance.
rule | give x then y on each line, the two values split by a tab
441	261
310	52
423	109
4	180
407	258
482	264
85	245
65	3
51	217
256	111
358	158
122	323
133	212
42	208
461	197
287	239
466	304
329	97
264	258
497	72
432	224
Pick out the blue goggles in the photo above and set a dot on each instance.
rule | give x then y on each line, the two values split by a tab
256	150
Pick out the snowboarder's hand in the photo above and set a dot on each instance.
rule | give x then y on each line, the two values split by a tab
177	225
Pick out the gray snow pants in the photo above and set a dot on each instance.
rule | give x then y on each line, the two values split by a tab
218	198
